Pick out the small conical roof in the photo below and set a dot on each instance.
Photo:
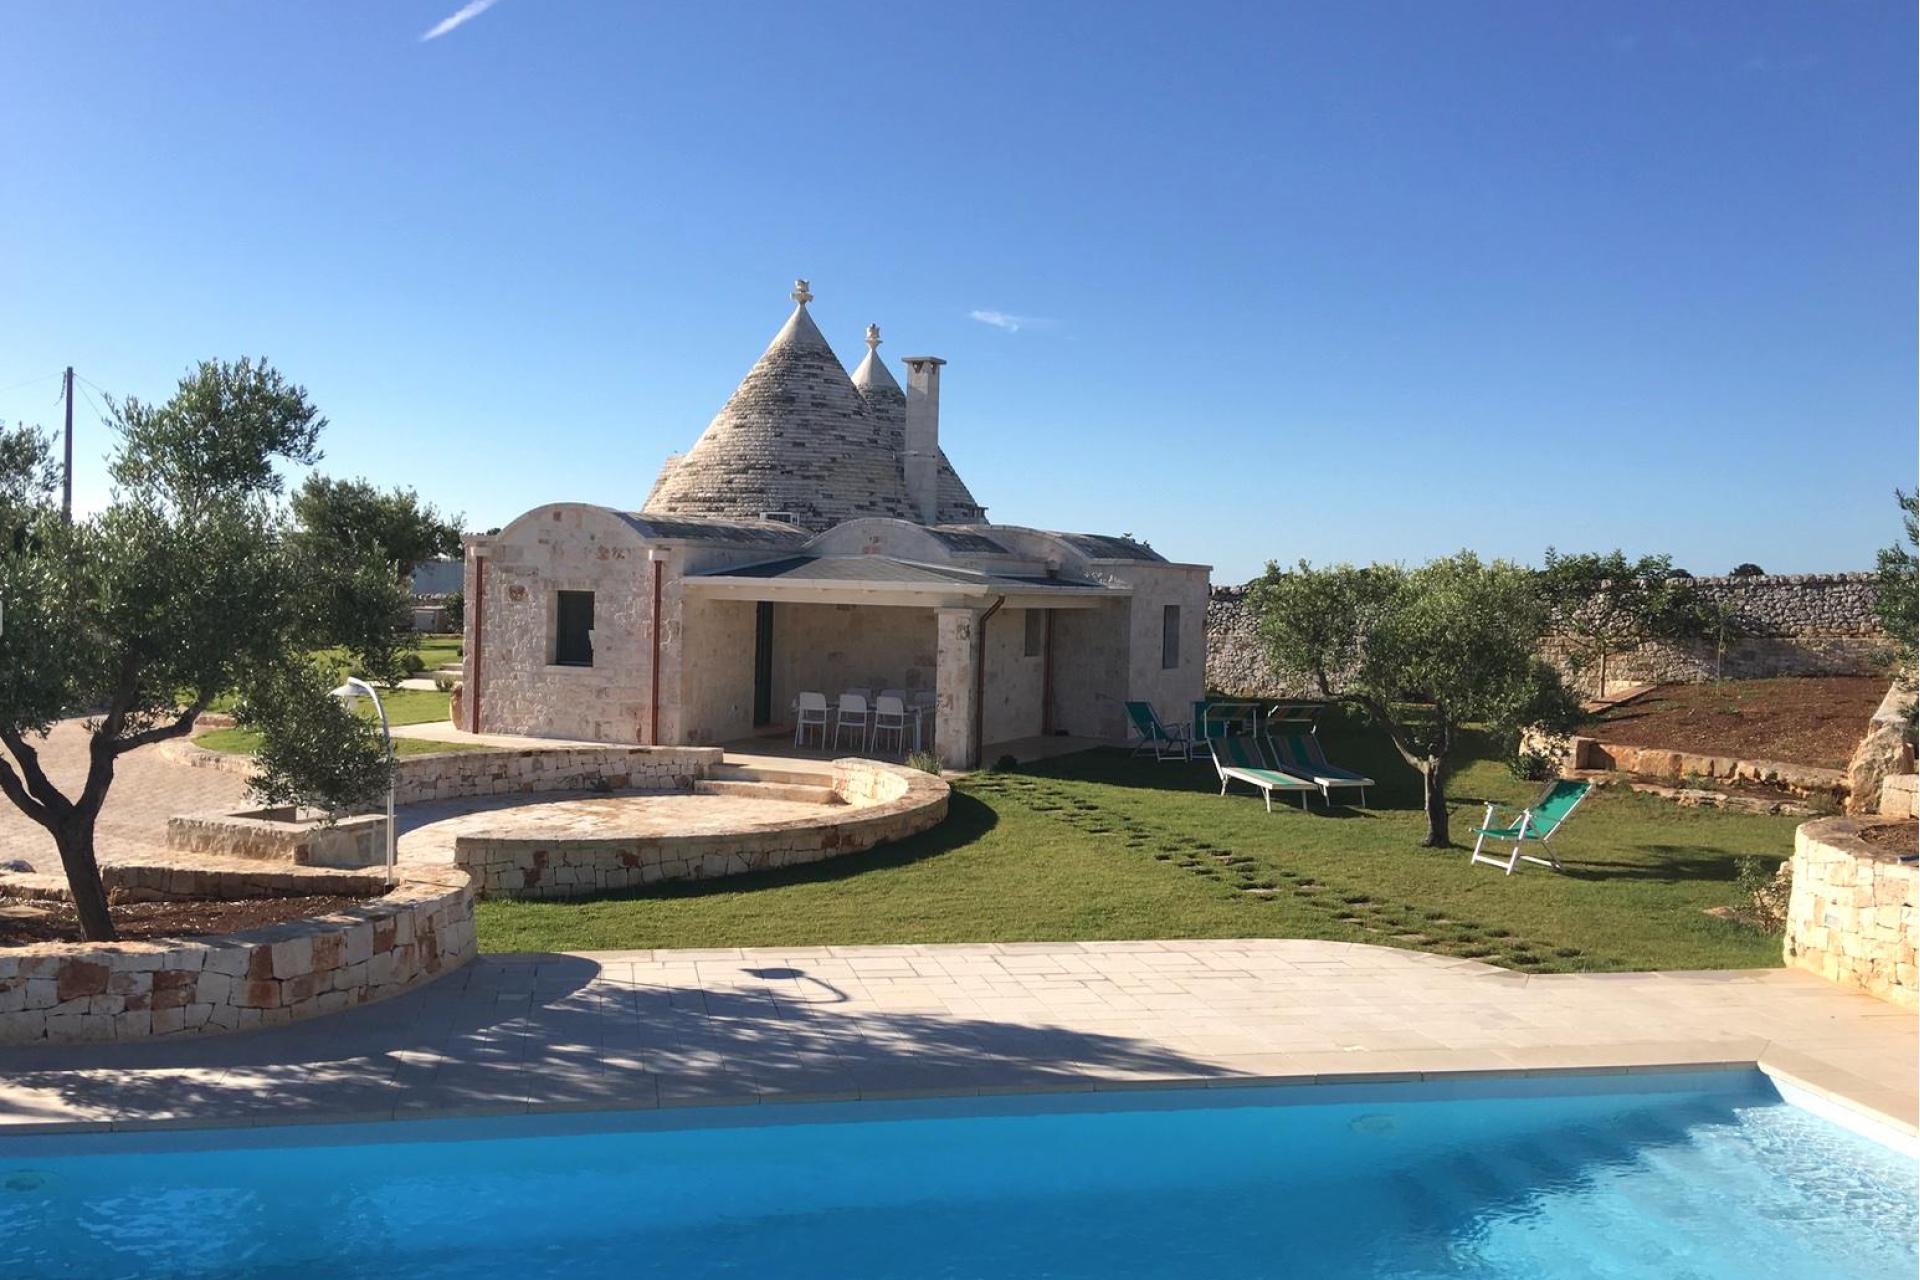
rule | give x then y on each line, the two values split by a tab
873	379
796	437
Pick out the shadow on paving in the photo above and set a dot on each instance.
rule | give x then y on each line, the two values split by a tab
557	1030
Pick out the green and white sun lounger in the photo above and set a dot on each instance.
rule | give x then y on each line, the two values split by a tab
1236	759
1167	742
1300	754
1537	821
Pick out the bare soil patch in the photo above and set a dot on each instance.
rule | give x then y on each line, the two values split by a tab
1893	837
25	923
1814	720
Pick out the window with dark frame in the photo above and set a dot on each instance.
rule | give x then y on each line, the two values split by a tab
573	629
1170	637
1036	631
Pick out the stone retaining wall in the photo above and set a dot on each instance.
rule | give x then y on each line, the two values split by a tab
360	840
1789	624
1851	916
1900	796
262	977
1662	762
1885	752
879	803
559	768
276	835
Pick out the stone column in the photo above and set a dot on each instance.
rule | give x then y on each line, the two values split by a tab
957	681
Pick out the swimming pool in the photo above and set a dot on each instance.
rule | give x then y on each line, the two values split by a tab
1695	1174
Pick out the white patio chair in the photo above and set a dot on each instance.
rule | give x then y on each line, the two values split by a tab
889	716
851	715
810	713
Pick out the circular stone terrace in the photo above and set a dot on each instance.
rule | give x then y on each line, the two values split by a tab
735	820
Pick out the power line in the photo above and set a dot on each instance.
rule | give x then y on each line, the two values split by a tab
29	382
98	412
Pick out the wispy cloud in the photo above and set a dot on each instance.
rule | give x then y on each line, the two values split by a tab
459	18
1010	322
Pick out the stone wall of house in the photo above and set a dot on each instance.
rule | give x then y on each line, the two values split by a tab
1785	624
1171	690
263	977
879	803
566	547
1851	916
1092	655
829	648
705	647
1015	683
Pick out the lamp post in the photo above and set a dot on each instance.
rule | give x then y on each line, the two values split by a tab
352	691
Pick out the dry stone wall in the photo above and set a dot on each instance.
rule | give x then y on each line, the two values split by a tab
1851	917
1786	624
263	977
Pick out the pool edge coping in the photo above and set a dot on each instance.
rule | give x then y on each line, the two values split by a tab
1791	1068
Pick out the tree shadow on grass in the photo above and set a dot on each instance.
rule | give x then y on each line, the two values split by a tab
1675	863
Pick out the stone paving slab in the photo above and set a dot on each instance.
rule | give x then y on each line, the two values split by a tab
429	829
149	786
513	1033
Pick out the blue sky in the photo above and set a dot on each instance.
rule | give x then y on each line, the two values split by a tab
1355	281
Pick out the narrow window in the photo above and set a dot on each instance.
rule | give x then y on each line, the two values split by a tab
1170	637
573	629
1036	631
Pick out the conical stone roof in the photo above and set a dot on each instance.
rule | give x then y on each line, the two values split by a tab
802	438
887	401
796	437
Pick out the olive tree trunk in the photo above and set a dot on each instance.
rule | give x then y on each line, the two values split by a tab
74	839
1434	800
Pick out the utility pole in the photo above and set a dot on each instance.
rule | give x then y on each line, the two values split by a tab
66	484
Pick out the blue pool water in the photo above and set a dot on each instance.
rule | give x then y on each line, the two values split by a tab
1677	1176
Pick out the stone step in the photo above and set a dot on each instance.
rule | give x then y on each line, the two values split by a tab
797	777
765	791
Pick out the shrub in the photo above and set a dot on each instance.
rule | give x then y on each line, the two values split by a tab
925	762
445	680
1532	765
1005	764
1747	569
1765	884
315	752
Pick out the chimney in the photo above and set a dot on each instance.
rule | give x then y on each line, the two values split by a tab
922	461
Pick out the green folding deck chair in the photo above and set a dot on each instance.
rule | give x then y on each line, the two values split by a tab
1300	755
1236	759
1538	821
1166	742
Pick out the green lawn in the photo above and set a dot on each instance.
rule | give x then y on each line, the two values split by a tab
438	651
404	706
1098	846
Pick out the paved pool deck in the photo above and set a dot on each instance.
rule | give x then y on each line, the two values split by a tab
673	1028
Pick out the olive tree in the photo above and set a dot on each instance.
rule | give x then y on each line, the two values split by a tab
185	589
1896	584
1603	606
1423	653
